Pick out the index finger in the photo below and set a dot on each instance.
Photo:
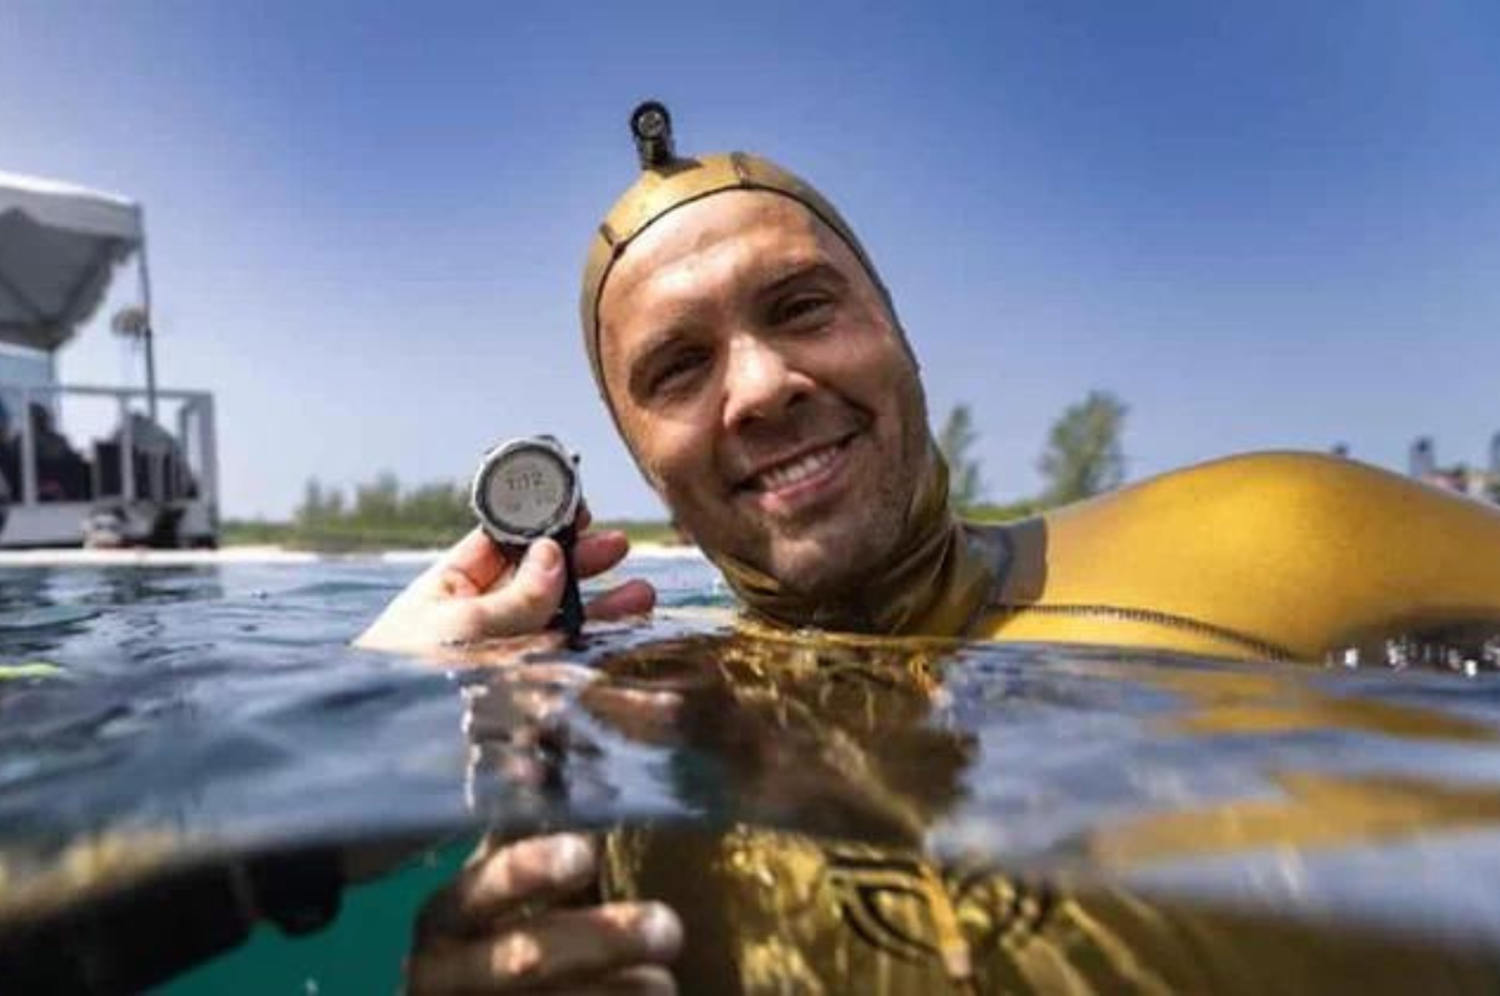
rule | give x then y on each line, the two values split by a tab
469	567
585	950
494	884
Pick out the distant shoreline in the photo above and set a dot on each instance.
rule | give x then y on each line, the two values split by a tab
265	554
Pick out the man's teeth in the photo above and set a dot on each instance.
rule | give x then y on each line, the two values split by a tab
797	470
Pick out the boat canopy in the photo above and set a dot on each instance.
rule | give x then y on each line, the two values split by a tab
59	245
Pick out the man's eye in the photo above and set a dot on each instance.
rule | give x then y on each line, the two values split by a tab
676	373
800	307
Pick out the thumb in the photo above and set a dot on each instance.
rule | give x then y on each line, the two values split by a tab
527	601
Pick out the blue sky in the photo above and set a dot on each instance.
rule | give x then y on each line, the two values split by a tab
1262	225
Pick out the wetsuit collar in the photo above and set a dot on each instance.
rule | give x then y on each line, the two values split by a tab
933	584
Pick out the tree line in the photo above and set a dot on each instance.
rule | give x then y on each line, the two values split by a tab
382	514
378	514
1083	456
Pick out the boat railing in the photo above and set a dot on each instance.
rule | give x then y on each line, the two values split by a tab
123	469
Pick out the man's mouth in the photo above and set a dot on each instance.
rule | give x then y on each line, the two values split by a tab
801	471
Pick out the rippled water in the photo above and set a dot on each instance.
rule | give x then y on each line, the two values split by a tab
161	719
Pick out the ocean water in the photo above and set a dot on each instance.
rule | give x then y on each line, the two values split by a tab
162	727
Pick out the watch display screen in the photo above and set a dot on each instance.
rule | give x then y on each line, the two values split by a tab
527	491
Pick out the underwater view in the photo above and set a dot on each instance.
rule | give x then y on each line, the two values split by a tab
1103	820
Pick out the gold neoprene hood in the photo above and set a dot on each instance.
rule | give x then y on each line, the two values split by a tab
669	182
934	577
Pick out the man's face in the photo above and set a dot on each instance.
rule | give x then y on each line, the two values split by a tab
764	388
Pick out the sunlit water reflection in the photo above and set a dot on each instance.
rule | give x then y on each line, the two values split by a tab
198	713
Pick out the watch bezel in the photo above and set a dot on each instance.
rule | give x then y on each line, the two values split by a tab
555	524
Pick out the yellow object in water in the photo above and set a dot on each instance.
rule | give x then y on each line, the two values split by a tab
28	669
1279	555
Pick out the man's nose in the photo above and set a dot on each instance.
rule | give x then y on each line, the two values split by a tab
758	383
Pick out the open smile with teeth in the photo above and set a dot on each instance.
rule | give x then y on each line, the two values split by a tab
799	470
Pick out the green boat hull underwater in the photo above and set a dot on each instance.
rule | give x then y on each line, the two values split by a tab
1131	780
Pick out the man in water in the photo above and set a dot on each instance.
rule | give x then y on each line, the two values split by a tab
753	362
756	370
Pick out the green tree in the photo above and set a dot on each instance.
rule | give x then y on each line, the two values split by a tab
438	506
379	502
318	506
1083	455
956	440
311	509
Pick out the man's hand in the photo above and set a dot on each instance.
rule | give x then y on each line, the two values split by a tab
477	592
495	929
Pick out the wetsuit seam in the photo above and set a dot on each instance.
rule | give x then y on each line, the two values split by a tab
1262	648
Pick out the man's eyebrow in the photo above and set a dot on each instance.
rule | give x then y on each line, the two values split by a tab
654	344
658	340
802	272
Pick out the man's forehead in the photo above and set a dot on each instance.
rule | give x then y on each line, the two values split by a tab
677	253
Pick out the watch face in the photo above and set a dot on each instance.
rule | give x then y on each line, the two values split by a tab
527	491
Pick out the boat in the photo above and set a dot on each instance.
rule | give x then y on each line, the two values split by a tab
149	479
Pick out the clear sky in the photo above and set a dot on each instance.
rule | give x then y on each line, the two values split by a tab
1269	224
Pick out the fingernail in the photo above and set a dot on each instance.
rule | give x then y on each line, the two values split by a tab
571	858
660	929
546	556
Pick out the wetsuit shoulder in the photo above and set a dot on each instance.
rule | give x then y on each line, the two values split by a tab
1267	554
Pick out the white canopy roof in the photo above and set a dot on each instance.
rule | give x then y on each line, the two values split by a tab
59	245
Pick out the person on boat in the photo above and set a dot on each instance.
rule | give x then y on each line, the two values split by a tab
10	458
754	363
61	473
161	469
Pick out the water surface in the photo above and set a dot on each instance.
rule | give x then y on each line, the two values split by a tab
165	718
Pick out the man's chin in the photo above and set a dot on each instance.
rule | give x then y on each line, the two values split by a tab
822	567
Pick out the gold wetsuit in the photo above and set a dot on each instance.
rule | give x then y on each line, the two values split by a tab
836	736
1289	556
769	914
1274	555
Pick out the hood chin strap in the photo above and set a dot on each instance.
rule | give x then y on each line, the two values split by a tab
934	583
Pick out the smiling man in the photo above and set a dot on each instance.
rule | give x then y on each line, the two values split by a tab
764	388
752	359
